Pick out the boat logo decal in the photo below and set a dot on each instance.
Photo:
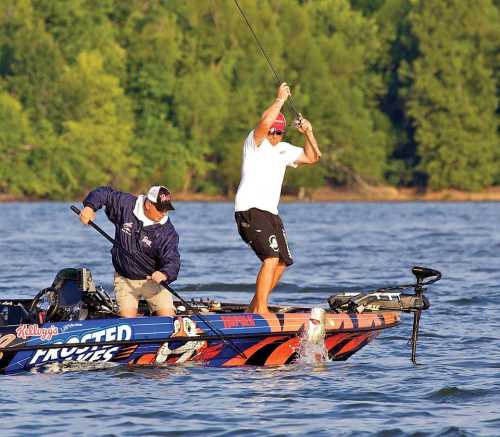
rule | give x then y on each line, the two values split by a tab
273	243
86	353
183	327
127	228
25	331
165	197
68	326
235	321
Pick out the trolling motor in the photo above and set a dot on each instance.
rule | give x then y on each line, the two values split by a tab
391	299
420	273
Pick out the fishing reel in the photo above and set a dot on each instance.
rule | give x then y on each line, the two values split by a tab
298	120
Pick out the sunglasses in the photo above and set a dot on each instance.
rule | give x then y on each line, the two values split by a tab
161	210
276	132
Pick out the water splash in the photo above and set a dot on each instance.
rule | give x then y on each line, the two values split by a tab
312	354
312	350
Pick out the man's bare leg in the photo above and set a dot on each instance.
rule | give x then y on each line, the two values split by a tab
132	312
165	312
128	312
269	274
278	273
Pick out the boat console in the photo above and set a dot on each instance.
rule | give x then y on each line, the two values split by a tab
72	296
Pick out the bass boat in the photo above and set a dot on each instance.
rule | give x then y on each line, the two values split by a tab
73	321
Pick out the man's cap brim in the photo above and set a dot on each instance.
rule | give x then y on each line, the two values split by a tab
164	207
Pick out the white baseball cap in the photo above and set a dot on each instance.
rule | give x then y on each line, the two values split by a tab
161	197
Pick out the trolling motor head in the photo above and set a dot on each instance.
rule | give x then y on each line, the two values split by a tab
423	272
418	301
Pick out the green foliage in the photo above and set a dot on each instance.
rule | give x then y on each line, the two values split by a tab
31	59
399	47
368	7
354	132
304	180
452	98
82	26
97	131
15	135
137	92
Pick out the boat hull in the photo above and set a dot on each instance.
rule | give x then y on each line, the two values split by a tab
249	339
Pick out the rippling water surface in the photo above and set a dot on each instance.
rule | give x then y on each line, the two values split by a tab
454	392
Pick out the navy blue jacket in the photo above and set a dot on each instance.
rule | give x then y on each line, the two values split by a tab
156	245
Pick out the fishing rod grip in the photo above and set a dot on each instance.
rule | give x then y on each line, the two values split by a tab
75	209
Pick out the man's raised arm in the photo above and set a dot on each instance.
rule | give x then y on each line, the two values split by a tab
311	154
271	113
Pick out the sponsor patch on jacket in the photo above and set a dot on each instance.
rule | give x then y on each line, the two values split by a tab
127	228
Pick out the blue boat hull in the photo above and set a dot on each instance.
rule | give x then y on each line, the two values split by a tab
249	339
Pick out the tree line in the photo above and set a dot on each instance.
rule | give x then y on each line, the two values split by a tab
130	93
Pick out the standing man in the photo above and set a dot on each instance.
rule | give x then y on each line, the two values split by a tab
143	229
265	158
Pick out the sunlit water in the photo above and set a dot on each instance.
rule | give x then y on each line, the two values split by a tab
454	392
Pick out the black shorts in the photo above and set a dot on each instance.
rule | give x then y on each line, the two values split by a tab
265	234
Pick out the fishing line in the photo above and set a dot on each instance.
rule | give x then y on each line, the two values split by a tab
278	79
289	103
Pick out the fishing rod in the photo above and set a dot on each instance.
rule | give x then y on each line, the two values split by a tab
218	334
289	102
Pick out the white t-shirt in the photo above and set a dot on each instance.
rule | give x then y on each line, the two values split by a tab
262	173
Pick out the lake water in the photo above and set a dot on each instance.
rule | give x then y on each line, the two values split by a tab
455	391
